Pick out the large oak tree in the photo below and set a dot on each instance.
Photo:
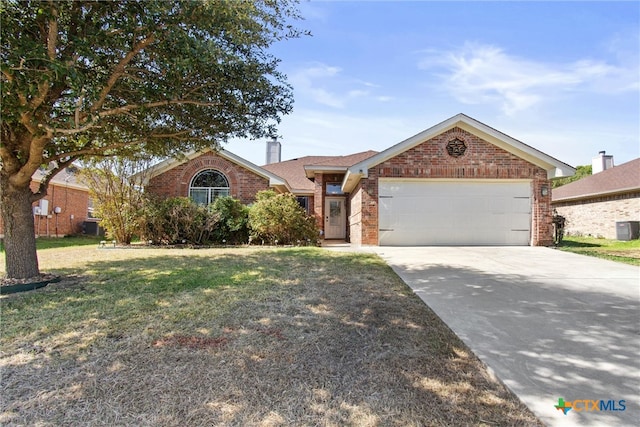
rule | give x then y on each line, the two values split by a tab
101	78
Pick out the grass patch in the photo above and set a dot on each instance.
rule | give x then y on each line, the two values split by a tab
627	252
246	337
62	242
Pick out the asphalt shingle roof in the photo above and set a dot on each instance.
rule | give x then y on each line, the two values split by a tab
624	177
293	170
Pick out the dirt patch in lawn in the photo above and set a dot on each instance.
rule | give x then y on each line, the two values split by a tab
630	253
242	337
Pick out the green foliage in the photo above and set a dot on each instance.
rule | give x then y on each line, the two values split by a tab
273	218
178	220
117	200
233	225
627	252
581	172
279	219
103	78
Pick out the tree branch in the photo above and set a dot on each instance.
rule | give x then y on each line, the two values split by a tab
91	151
44	183
78	106
52	42
122	110
119	71
8	75
170	135
22	176
126	108
52	36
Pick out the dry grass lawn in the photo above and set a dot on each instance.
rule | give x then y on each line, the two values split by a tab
238	337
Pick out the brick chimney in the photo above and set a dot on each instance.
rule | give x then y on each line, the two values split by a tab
601	162
273	151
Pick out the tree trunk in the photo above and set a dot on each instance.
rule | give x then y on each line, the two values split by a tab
19	232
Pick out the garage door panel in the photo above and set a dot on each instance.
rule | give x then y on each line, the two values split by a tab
454	213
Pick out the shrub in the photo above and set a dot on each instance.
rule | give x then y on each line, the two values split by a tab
179	220
118	200
233	225
279	219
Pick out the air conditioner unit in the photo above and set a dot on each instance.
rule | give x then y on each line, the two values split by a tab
627	230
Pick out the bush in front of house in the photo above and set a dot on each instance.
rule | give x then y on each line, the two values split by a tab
178	220
272	219
279	219
233	221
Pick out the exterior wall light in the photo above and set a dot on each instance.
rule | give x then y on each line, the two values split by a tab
544	190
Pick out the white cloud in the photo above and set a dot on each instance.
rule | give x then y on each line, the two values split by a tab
487	74
327	132
384	98
322	96
327	85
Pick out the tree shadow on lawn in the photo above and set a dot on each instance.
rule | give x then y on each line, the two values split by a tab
268	338
578	244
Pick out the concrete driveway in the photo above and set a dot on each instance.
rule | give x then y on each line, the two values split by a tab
549	324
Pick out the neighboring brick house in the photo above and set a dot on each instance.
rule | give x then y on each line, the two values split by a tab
67	196
593	205
460	182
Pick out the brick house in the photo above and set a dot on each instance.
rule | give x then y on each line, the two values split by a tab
68	197
207	174
459	182
594	204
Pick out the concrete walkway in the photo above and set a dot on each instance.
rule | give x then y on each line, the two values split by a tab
549	324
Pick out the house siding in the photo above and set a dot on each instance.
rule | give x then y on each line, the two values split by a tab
243	183
597	216
74	205
481	160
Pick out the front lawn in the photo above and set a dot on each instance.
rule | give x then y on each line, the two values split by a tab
62	242
615	250
246	337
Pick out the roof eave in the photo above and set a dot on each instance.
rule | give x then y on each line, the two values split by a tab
351	179
311	170
58	183
274	180
165	165
596	194
554	167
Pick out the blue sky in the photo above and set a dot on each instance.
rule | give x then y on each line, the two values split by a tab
563	77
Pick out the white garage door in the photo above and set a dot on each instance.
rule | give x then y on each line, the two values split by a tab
454	213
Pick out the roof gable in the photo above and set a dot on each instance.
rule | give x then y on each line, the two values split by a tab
66	178
168	164
554	167
619	179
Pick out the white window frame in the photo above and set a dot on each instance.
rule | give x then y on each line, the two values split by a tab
210	193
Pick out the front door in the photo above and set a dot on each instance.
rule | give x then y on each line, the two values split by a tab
334	218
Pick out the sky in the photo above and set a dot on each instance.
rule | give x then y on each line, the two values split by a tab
562	77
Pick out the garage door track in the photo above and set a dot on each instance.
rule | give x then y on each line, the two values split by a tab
549	324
